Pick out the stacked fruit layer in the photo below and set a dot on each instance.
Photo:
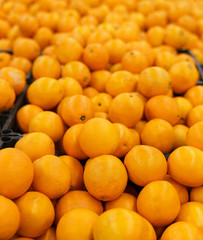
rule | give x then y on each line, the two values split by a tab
111	95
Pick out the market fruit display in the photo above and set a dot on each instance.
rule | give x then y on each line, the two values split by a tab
111	119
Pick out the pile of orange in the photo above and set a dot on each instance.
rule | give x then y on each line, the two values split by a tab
110	96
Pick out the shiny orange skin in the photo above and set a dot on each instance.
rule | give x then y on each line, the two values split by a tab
126	108
49	123
25	114
31	46
154	81
99	79
196	194
195	95
51	176
143	159
10	218
46	66
36	145
194	136
195	115
76	170
168	109
121	224
45	92
71	142
180	134
5	59
158	133
76	109
36	213
185	107
155	36
100	182
101	102
15	181
184	75
78	71
28	24
134	62
95	56
159	203
189	160
43	37
70	86
21	63
90	92
77	199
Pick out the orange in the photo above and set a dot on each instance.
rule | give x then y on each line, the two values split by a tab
67	23
162	107
196	194
188	22
101	115
77	199
165	59
45	92
46	66
180	134
157	18
49	235
49	123
143	47
195	95
25	114
16	172
36	214
120	82
31	46
134	61
4	28
181	190
191	212
51	176
76	109
175	36
159	134
10	218
128	32
43	37
145	7
99	36
70	86
116	67
48	19
159	203
49	51
28	24
184	57
90	92
97	137
101	102
77	70
89	19
126	140
145	164
95	56
194	136
71	142
36	145
73	225
68	50
16	76
139	18
184	166
127	108
126	201
155	36
99	180
76	170
184	75
195	115
198	54
179	9
5	59
21	63
184	106
119	223
140	125
154	81
116	49
7	95
136	136
182	231
5	44
99	79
